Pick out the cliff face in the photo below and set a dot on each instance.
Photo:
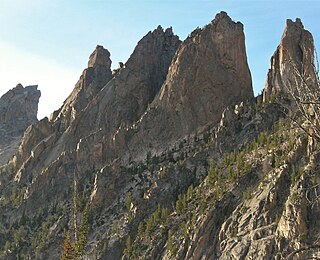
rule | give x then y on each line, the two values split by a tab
98	105
90	83
292	64
19	106
162	159
208	73
18	110
126	97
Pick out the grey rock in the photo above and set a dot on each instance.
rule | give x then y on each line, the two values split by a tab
292	64
18	110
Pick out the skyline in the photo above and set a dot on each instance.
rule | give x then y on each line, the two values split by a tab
48	43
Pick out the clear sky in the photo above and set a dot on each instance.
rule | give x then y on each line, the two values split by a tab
48	42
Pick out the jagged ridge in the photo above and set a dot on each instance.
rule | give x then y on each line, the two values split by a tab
128	144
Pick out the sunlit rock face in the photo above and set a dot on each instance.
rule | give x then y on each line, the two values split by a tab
142	146
292	64
92	80
208	73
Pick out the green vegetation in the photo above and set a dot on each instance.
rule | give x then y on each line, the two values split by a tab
75	247
247	194
171	246
157	220
224	173
127	252
17	196
128	203
82	234
68	248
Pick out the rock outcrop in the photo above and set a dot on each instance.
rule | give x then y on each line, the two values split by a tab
92	80
292	64
126	97
74	140
19	106
208	73
18	110
169	157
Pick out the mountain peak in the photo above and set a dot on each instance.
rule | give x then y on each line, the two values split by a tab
18	110
208	72
292	61
92	80
20	103
298	23
100	56
224	21
222	16
135	164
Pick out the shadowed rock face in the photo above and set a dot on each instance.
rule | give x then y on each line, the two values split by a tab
92	80
151	129
99	104
19	106
208	73
126	97
293	61
18	110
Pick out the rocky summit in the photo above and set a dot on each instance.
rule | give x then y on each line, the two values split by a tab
208	73
292	64
18	110
169	156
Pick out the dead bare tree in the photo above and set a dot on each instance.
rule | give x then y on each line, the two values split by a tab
305	94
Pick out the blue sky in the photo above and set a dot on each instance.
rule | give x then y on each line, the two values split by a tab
48	42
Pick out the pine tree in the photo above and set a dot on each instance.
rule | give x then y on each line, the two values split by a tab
211	173
203	204
68	248
140	231
128	250
128	201
190	192
170	244
184	229
82	232
164	215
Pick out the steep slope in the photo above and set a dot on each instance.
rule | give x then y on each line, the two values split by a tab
259	201
55	153
92	80
18	110
165	159
208	73
126	97
256	203
86	121
292	64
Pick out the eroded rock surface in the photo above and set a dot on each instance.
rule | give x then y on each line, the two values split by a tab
169	167
208	73
292	64
18	110
92	80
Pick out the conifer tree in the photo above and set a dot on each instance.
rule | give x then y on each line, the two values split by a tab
128	250
68	248
82	232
